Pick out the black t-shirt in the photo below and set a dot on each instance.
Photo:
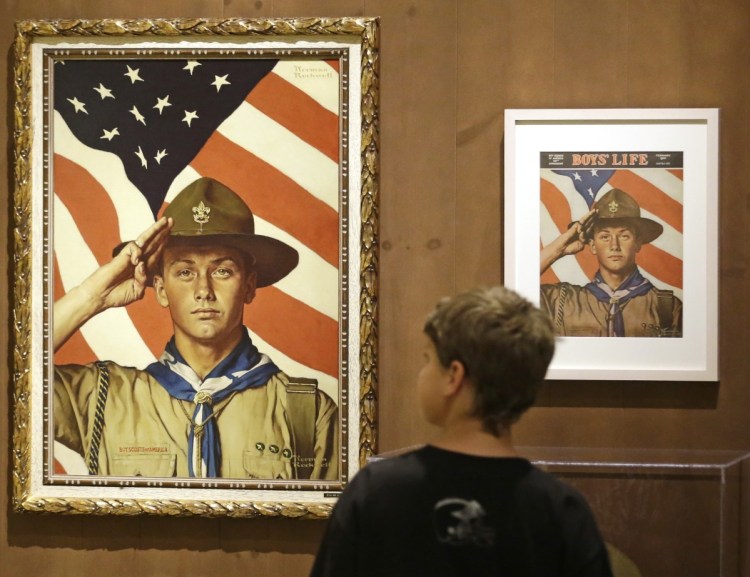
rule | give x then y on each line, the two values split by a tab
439	513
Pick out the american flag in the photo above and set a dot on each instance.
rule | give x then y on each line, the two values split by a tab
129	134
567	194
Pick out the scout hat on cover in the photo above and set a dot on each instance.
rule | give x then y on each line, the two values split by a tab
206	211
618	207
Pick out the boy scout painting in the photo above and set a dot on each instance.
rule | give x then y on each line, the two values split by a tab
611	250
208	345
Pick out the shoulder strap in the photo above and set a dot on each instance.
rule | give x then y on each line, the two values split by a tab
559	310
102	389
664	307
301	406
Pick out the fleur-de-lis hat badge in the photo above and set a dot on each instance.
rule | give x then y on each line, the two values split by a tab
201	214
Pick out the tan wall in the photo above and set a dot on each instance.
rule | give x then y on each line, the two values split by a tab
449	68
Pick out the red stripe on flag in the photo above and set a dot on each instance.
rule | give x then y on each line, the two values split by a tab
298	330
296	111
89	206
678	172
556	204
649	197
272	195
662	265
333	64
548	277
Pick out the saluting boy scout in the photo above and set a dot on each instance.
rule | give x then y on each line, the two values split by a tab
212	406
619	301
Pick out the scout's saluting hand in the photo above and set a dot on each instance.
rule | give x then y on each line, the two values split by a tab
571	241
115	284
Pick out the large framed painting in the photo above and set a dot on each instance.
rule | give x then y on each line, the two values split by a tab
611	225
195	252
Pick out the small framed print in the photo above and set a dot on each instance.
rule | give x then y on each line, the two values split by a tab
611	225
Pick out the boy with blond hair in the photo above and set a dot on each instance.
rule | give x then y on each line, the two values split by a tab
466	504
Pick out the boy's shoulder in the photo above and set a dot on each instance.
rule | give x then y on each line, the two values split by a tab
434	463
428	464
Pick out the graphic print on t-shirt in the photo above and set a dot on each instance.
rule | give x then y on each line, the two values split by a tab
459	523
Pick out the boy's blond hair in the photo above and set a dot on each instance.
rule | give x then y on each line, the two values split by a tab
505	345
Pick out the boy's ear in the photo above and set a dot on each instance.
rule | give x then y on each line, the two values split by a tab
456	376
250	287
161	294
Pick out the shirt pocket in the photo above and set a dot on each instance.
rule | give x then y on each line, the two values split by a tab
161	465
264	467
585	331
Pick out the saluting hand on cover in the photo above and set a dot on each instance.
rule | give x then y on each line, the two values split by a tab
115	284
571	241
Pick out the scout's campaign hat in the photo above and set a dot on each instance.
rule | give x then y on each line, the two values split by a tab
618	207
208	211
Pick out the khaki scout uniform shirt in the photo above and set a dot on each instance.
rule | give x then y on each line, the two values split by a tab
580	314
146	431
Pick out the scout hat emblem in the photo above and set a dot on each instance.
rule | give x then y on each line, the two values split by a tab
200	214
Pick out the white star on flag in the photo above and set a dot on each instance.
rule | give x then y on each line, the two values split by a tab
138	116
190	116
162	103
103	91
133	75
220	81
78	105
139	154
191	65
110	134
159	155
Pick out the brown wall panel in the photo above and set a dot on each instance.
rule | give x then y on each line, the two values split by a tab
449	69
418	195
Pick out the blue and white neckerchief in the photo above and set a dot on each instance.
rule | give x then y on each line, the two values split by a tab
244	368
635	285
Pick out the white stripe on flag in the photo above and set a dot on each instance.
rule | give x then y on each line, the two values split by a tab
71	462
320	280
662	179
285	151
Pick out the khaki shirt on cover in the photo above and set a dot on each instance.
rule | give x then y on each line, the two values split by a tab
583	315
146	431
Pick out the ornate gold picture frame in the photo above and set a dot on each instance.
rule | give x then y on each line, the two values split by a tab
129	135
